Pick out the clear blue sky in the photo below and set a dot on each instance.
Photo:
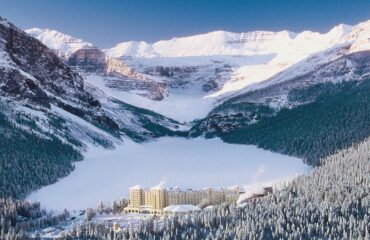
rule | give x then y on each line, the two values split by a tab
107	22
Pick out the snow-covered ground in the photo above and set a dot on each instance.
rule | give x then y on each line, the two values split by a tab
125	220
180	105
64	45
106	175
253	57
236	63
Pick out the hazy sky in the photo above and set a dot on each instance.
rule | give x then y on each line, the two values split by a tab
107	22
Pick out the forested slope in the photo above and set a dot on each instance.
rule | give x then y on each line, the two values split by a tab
331	202
338	118
48	115
29	160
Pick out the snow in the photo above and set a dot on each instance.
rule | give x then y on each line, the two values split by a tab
257	187
135	187
107	175
181	208
194	61
180	105
4	22
5	60
213	43
7	63
286	47
255	57
275	76
127	220
303	46
77	120
65	45
360	37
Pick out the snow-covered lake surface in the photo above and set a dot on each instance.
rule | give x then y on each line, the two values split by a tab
106	175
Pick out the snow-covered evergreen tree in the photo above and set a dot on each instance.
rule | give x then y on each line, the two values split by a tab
331	202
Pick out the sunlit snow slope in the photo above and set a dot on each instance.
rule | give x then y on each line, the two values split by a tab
64	44
280	50
195	73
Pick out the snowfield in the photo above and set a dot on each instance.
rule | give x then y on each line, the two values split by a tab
64	45
180	105
234	63
106	175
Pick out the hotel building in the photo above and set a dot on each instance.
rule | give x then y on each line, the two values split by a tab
154	200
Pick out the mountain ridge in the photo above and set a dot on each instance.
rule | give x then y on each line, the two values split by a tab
218	37
84	92
218	64
44	102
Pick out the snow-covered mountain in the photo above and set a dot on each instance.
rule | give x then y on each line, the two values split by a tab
209	44
90	60
32	75
64	44
232	80
49	115
309	112
198	72
253	56
302	94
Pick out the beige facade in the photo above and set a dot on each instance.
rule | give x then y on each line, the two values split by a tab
158	199
147	198
136	197
179	197
155	199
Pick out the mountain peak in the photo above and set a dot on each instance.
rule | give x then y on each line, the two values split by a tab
208	44
63	44
4	22
340	30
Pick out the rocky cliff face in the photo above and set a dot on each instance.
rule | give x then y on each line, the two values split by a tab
116	67
37	75
210	78
88	59
34	77
33	64
116	74
153	80
120	76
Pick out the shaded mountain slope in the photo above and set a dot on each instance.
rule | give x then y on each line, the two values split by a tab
316	120
28	161
49	115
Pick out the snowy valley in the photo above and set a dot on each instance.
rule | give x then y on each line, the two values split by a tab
106	175
220	109
204	70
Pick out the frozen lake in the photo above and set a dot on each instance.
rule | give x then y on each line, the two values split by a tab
106	175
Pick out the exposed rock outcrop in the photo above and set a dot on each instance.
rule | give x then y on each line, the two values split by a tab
89	59
30	72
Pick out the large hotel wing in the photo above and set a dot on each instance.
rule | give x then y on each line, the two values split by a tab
155	200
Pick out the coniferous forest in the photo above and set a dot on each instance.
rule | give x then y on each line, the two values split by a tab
331	202
337	118
305	95
29	161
